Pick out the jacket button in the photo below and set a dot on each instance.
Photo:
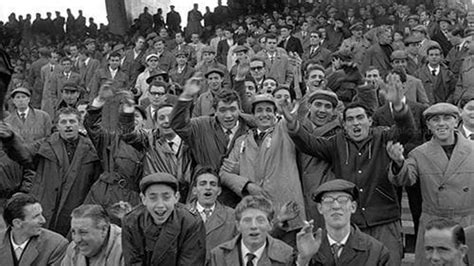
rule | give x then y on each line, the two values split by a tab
466	189
360	171
441	188
363	209
361	190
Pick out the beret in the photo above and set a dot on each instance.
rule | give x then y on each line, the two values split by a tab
22	90
336	185
158	178
441	108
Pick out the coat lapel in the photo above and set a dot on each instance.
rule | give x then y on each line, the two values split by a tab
31	252
458	157
165	241
216	220
438	156
5	248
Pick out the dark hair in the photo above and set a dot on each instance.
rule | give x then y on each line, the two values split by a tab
95	212
67	111
434	47
226	96
14	208
354	105
256	58
271	37
459	236
465	100
114	54
66	58
401	73
206	170
255	202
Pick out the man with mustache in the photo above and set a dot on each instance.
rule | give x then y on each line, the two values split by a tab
444	168
358	154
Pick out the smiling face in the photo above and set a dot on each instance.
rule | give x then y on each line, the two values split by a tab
159	200
321	112
254	227
264	113
357	123
207	189
315	80
227	114
442	126
68	126
467	114
337	214
268	86
21	101
214	81
163	121
440	248
88	236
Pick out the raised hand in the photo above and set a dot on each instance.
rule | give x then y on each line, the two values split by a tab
308	243
394	92
243	68
192	86
288	212
290	118
395	152
106	91
5	130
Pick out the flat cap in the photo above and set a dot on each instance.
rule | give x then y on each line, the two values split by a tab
70	86
324	95
336	185
414	17
398	54
181	52
158	178
157	73
22	90
208	49
260	98
151	36
357	26
441	109
89	40
420	28
214	70
148	57
241	48
445	19
413	39
117	48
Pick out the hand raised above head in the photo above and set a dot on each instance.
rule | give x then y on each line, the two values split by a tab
5	130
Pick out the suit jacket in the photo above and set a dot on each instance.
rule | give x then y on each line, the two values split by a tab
37	124
416	91
34	79
279	68
181	78
443	41
277	253
322	56
48	248
292	45
438	88
46	76
133	66
375	56
88	71
120	81
222	50
360	249
303	39
220	226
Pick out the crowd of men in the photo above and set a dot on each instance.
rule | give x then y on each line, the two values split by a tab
280	137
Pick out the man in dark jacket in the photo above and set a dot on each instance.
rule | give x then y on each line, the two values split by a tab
340	243
162	232
358	154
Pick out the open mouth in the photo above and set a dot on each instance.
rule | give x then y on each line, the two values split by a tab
321	116
207	194
254	234
357	131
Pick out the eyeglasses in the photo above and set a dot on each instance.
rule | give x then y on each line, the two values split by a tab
257	68
157	93
327	200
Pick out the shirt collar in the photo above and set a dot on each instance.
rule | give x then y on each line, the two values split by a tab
258	253
15	246
113	71
200	208
435	69
234	129
25	112
342	242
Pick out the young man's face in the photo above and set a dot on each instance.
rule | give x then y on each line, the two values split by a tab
88	236
179	38
268	86
271	44
68	126
152	63
357	124
34	220
321	112
140	43
412	48
114	62
264	114
160	200
227	114
67	66
254	226
156	95
207	189
214	80
159	46
314	39
315	80
434	57
337	214
208	57
442	126
250	89
372	76
181	60
70	96
467	114
257	70
401	63
440	248
284	32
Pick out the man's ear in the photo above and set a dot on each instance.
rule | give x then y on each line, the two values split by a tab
370	121
16	222
177	195
320	208
142	197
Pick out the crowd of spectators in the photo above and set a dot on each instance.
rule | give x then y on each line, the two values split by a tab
230	138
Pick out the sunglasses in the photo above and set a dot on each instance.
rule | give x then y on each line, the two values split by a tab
256	68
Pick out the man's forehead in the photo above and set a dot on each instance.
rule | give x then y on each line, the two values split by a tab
157	89
221	104
439	237
256	63
206	177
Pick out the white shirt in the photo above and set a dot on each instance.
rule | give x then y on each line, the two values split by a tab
390	104
435	69
113	72
24	112
67	75
258	253
201	209
176	143
342	242
86	62
15	246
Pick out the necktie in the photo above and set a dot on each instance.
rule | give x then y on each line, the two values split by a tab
23	117
250	257
18	252
433	72
259	138
170	143
52	68
335	248
228	133
271	59
312	50
207	214
155	116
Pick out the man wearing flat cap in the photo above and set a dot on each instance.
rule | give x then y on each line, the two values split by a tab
162	231
444	168
465	59
357	43
203	105
141	85
422	31
340	243
443	35
412	44
209	62
70	95
183	69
